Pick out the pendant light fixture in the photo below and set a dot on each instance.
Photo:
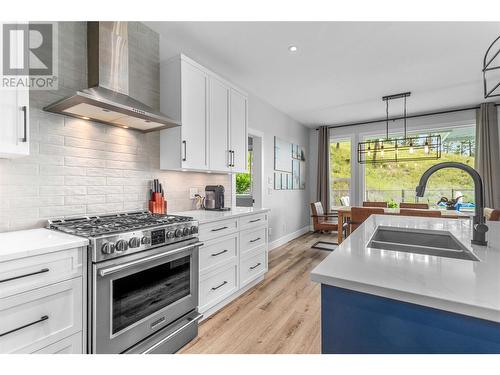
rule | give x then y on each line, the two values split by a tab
399	149
491	62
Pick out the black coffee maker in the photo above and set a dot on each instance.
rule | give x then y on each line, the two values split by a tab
214	198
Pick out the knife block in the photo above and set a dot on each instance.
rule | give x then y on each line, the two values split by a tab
158	204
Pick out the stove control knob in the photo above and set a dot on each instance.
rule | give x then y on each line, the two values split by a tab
121	245
134	242
170	235
194	230
108	248
185	231
178	232
146	240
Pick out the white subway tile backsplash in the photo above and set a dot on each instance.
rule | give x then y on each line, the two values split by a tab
84	162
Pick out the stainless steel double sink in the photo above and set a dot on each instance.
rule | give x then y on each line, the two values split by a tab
419	241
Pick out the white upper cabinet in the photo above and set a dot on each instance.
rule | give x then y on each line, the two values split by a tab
184	96
238	131
14	121
213	114
220	158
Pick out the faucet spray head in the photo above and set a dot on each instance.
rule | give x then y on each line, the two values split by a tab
420	190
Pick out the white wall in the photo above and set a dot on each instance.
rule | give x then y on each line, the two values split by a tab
289	208
359	132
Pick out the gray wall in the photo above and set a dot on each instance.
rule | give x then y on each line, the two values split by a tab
78	167
289	208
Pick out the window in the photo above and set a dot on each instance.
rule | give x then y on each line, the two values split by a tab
244	180
340	170
396	182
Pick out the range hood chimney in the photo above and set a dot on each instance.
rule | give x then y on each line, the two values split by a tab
107	99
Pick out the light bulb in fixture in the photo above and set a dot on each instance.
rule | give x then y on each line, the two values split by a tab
426	147
411	148
292	48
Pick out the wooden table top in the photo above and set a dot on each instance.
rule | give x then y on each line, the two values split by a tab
395	211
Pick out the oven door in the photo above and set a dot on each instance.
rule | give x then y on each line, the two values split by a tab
137	295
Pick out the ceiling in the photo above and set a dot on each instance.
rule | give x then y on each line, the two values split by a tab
341	69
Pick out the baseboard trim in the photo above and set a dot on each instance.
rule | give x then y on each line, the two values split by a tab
283	240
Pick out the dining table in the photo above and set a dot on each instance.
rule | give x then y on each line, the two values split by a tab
344	213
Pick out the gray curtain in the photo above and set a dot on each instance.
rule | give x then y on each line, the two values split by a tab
487	153
323	175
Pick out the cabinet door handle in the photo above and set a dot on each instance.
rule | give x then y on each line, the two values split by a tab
232	162
254	221
25	125
219	253
218	229
43	270
219	286
184	158
254	267
42	319
255	240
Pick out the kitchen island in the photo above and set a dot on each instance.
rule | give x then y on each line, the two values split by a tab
384	301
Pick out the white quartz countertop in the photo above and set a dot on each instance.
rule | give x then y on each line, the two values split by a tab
205	216
24	243
461	286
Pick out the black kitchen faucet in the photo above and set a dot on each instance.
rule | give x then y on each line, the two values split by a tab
479	228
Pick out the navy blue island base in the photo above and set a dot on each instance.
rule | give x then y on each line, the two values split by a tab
354	322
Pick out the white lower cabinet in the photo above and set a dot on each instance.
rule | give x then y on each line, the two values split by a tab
231	259
42	303
69	345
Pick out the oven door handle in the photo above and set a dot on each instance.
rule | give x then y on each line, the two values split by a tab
159	343
121	267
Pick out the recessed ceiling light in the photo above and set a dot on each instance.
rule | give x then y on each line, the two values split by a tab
86	118
292	48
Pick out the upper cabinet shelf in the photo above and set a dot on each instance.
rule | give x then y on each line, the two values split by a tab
213	114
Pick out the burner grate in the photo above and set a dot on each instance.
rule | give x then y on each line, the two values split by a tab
108	224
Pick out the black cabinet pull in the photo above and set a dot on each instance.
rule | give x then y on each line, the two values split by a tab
25	116
219	253
254	221
185	150
218	229
255	240
43	270
43	318
254	267
220	286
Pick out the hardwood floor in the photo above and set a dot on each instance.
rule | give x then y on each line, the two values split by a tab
279	315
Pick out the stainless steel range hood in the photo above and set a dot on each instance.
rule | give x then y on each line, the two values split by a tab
107	99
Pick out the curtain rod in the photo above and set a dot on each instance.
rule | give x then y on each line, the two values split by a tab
410	116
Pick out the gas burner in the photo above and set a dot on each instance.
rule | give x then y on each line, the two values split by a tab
117	223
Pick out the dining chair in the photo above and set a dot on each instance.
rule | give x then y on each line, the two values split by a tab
345	201
360	214
375	204
492	214
421	206
323	221
422	213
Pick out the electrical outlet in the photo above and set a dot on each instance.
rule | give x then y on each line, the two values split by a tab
192	192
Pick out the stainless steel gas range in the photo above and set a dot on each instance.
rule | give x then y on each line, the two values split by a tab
142	281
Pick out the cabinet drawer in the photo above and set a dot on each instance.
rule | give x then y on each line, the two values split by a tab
253	221
32	320
68	345
24	274
253	266
218	251
252	238
218	229
218	285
